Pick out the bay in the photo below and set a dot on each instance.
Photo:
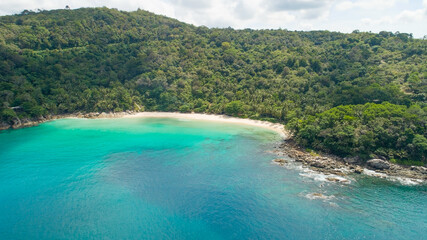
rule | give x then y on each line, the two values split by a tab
163	178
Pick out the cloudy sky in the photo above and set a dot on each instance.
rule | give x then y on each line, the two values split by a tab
409	16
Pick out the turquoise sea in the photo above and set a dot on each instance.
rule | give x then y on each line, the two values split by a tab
136	178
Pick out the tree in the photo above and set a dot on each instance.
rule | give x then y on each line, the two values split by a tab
419	147
234	108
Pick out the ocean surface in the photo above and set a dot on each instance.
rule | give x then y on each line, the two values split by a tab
179	179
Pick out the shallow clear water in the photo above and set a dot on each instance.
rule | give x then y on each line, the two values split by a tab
176	179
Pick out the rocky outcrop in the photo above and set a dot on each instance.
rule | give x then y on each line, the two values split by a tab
333	165
22	123
340	180
378	164
352	160
280	161
318	164
419	169
358	169
318	196
4	126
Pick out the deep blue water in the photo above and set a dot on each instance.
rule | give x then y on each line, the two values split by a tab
175	179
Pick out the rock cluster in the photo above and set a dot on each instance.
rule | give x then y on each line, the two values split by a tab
330	164
22	123
324	164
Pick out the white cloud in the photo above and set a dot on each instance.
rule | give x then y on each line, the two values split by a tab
279	19
403	18
411	16
408	21
290	5
365	4
311	14
334	15
193	4
244	11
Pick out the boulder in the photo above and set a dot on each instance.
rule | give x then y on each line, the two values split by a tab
280	161
316	196
419	169
340	180
378	164
4	126
337	172
358	170
318	164
351	160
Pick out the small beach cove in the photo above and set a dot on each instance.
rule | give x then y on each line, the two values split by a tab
327	164
322	163
141	177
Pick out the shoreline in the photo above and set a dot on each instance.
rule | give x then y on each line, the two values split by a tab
330	165
336	169
276	127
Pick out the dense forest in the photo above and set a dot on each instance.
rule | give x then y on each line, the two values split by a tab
352	94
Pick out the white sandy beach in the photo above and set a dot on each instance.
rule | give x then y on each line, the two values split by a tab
277	127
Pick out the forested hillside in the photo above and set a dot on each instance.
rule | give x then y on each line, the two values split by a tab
349	94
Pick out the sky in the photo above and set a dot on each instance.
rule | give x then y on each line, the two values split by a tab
406	16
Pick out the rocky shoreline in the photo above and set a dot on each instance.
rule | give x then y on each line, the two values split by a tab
335	166
23	123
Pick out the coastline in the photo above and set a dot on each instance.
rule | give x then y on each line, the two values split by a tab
334	167
276	127
337	169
